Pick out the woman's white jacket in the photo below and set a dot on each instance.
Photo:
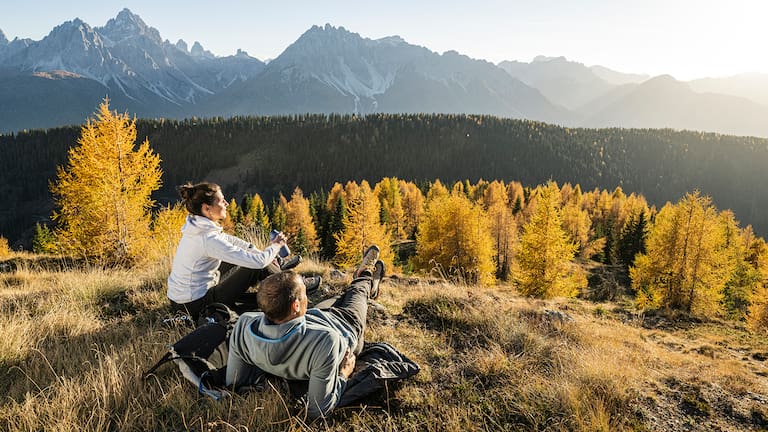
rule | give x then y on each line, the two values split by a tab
202	248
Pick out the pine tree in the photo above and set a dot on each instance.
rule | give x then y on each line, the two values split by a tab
44	241
454	237
632	240
362	228
337	214
543	267
103	194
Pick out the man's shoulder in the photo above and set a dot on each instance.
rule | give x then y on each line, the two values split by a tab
248	318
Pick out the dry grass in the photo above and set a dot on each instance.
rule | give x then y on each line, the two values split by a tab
73	345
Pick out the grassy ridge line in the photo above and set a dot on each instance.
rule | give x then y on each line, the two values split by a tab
73	345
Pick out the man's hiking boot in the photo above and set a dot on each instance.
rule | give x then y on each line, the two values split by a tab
370	257
312	283
289	263
378	274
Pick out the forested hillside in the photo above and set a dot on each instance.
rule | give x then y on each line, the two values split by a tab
267	155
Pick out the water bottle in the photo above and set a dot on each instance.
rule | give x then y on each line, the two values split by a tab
284	251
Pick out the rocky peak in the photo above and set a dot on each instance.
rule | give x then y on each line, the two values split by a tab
128	25
182	46
198	51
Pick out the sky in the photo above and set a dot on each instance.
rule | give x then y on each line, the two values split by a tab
687	39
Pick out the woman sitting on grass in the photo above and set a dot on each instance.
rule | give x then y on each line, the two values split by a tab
210	265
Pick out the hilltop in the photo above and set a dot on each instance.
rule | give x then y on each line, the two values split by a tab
74	342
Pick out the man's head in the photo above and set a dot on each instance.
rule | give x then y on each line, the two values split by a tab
282	297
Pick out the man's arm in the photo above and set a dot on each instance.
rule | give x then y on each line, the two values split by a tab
326	383
240	373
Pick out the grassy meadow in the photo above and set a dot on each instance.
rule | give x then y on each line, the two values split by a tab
74	343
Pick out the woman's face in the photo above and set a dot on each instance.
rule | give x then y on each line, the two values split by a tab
218	210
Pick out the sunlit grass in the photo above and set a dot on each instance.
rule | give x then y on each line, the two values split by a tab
73	346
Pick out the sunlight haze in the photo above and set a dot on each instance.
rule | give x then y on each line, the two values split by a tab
687	39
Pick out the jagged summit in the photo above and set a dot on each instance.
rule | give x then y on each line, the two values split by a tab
128	25
3	39
67	42
198	51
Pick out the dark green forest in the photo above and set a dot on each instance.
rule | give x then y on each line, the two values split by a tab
269	155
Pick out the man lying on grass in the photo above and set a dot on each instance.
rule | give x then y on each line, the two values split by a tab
316	345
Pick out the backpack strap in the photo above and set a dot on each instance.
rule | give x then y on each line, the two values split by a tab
170	355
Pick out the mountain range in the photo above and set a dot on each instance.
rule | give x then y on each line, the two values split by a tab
62	78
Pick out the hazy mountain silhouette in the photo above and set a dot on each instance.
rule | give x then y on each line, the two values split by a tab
663	102
749	85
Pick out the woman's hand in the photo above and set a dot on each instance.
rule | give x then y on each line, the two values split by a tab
279	239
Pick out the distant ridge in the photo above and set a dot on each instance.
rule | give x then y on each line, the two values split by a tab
330	69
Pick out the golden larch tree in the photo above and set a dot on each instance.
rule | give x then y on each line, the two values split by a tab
686	264
362	228
437	189
103	193
299	226
757	257
392	212
503	226
543	266
256	214
454	238
413	207
166	234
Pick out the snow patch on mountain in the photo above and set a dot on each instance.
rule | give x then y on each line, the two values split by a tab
347	82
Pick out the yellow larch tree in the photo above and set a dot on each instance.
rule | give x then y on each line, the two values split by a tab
577	224
543	266
5	250
413	207
437	189
391	202
515	196
166	233
686	264
336	193
454	239
278	216
757	257
255	213
362	228
502	226
299	226
103	193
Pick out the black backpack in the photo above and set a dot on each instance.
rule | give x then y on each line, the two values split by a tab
201	355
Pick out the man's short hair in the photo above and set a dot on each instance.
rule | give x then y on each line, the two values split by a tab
277	293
